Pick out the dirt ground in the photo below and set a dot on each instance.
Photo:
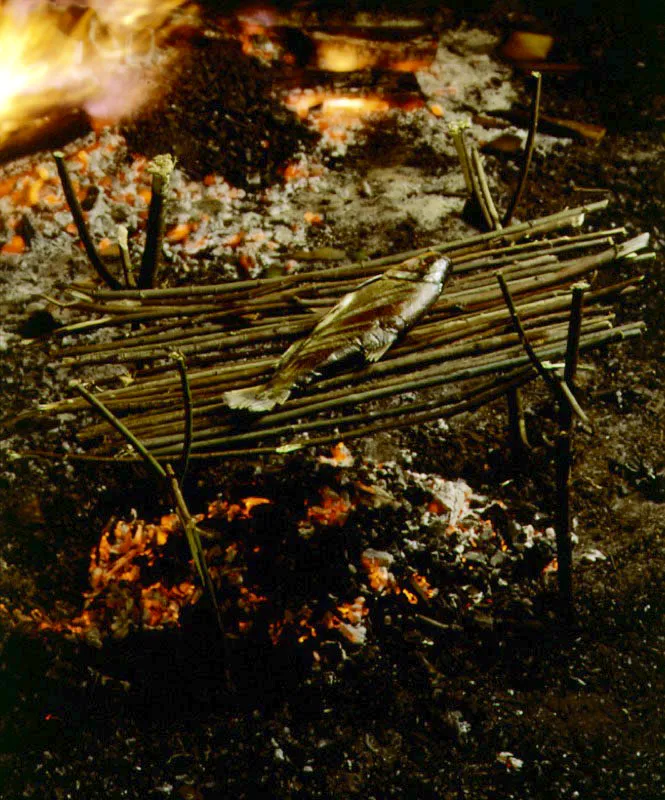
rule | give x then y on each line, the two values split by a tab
508	704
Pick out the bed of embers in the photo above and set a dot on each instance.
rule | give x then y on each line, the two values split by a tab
388	601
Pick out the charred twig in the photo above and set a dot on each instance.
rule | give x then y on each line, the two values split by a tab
55	127
81	227
530	146
564	458
554	126
517	425
451	627
160	168
574	331
557	387
193	540
162	474
122	429
189	418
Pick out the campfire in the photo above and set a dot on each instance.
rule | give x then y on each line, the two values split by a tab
515	284
327	360
140	579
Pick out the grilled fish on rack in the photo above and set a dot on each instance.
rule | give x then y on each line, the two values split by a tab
359	329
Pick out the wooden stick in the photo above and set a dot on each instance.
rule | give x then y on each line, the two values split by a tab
573	216
564	459
285	422
160	168
127	267
160	423
193	536
267	330
81	227
122	429
530	147
517	425
483	190
456	131
162	474
189	419
477	399
550	379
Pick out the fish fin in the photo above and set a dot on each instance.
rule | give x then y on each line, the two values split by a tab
377	343
257	398
367	282
375	355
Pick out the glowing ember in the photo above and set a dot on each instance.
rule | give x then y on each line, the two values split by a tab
141	579
94	56
376	562
334	55
422	587
333	509
337	106
410	596
349	621
353	612
350	54
257	37
451	499
242	510
340	456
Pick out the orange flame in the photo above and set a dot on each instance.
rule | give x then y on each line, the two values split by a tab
241	510
90	56
335	105
333	509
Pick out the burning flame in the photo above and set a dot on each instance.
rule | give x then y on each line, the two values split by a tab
338	56
93	56
328	104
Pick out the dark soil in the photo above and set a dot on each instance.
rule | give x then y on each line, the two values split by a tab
416	712
218	117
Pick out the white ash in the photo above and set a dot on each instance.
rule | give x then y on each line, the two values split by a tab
467	75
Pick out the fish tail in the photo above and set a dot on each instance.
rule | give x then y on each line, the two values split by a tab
257	398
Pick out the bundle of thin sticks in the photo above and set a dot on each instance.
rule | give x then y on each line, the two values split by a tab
463	354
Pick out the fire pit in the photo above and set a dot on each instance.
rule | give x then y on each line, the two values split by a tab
356	592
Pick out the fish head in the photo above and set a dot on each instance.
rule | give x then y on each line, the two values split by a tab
428	267
435	268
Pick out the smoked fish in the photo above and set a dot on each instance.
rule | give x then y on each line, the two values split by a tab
359	329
